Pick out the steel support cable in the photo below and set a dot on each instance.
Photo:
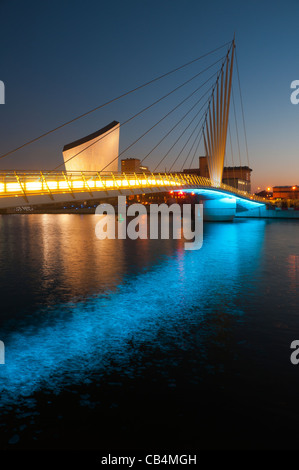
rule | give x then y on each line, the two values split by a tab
198	143
215	138
237	133
229	93
186	143
241	102
152	127
113	100
207	140
218	157
145	109
203	129
215	122
221	108
206	114
215	157
211	136
191	148
209	152
169	132
212	160
169	150
225	103
225	160
218	118
201	135
231	148
215	142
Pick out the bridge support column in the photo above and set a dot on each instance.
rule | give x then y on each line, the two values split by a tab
219	210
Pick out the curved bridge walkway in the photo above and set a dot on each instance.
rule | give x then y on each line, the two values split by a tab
35	188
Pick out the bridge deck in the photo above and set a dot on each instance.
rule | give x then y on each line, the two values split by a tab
45	187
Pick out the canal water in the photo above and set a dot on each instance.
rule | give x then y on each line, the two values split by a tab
139	344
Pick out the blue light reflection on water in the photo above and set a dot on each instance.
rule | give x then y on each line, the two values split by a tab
68	342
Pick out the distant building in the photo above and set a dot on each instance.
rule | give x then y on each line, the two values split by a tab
202	170
286	192
266	194
236	176
94	152
132	165
144	169
192	171
204	167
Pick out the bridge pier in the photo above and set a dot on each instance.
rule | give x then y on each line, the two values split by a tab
219	210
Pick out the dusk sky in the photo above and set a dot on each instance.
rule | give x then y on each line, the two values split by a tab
61	59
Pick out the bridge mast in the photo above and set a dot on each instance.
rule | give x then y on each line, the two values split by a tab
217	118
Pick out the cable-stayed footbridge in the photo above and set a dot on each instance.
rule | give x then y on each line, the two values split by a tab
207	124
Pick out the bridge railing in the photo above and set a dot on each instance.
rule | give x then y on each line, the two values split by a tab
32	183
24	184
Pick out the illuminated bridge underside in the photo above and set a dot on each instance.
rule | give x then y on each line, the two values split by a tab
19	189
